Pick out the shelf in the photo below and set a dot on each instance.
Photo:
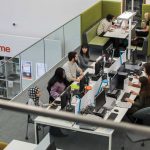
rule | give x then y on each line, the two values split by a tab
10	77
126	15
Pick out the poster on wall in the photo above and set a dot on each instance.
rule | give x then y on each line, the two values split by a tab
41	68
26	70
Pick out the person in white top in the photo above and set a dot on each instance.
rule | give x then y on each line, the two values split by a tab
72	69
105	25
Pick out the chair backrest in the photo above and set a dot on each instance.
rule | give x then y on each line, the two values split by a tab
92	32
143	114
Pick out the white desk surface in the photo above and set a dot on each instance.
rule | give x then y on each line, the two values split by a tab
69	125
118	33
20	145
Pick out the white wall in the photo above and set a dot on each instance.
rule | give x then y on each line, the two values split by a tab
36	18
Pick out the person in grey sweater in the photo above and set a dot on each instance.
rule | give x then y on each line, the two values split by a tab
84	57
72	70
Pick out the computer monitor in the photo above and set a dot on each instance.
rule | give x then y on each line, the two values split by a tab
99	66
100	100
83	82
66	97
113	83
117	82
109	53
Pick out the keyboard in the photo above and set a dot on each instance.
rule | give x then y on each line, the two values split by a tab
112	116
101	113
124	105
87	127
126	95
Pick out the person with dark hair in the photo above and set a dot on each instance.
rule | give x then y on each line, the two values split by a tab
142	32
34	95
147	73
143	98
84	57
72	69
57	84
105	25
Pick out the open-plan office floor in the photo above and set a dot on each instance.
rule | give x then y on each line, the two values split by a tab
13	126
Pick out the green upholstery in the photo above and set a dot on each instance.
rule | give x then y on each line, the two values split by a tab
99	41
90	16
90	34
90	20
146	8
111	7
92	39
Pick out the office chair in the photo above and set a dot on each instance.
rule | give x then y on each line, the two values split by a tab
31	121
141	49
2	145
143	114
133	136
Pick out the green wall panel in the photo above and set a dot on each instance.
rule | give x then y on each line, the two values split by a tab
90	16
111	7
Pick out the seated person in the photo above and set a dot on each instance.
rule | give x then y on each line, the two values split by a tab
57	84
142	31
84	57
142	100
105	25
34	99
71	68
147	73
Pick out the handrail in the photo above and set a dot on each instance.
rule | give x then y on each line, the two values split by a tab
71	117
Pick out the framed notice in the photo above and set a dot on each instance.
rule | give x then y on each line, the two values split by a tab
27	70
41	68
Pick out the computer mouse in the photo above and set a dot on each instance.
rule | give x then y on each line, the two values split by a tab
116	110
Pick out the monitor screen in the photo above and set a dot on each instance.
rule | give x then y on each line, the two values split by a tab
117	82
109	52
100	100
65	97
99	65
113	83
83	82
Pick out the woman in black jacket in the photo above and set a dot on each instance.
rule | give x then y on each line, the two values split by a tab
143	98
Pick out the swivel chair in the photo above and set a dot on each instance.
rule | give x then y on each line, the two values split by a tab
133	136
31	121
141	50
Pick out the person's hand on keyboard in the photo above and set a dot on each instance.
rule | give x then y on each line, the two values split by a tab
129	100
133	92
130	83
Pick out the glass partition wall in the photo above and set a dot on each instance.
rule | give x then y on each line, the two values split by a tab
21	71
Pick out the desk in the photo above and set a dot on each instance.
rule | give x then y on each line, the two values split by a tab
73	126
118	33
20	145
